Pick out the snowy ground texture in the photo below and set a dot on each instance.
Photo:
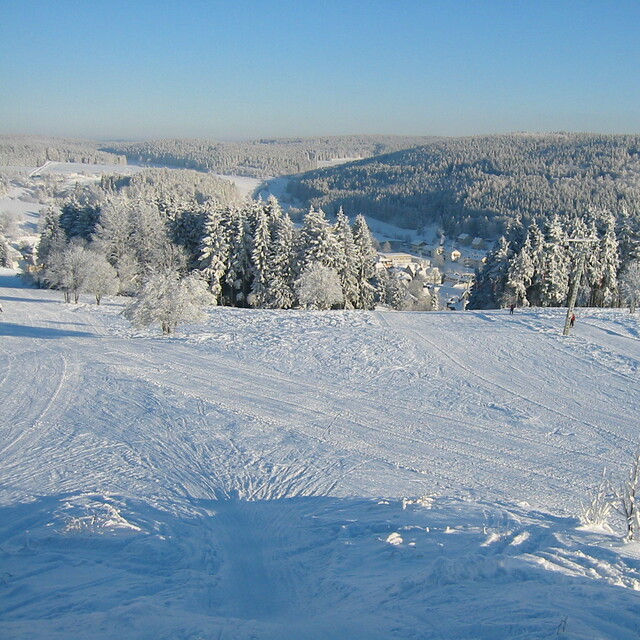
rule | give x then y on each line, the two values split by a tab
312	475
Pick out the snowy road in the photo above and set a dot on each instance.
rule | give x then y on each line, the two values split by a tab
228	482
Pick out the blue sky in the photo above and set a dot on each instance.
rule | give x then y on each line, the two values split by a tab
267	68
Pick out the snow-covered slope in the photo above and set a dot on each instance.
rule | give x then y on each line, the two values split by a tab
312	475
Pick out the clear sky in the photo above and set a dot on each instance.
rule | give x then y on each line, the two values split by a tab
240	69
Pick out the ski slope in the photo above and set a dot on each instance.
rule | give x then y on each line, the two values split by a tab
310	475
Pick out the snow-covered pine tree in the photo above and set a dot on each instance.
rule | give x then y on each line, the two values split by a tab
281	293
214	248
628	234
274	213
490	282
80	214
347	261
149	237
577	228
630	285
186	229
238	276
610	261
366	258
52	237
537	244
593	270
520	275
4	251
113	234
317	241
396	291
261	260
555	266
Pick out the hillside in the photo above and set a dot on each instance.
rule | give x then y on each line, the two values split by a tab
310	475
260	158
482	185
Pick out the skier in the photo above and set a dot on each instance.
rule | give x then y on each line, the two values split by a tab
573	320
511	308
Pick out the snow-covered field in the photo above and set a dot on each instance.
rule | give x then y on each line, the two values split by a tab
312	475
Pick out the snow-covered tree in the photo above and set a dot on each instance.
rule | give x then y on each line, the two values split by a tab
238	276
166	299
630	285
317	242
538	247
366	257
627	499
396	291
214	254
520	275
4	252
319	287
67	269
607	294
101	279
555	266
281	294
489	284
348	264
261	260
52	237
112	235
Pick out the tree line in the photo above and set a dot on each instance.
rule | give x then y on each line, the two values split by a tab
537	267
124	234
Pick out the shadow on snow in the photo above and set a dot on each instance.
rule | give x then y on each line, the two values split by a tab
79	565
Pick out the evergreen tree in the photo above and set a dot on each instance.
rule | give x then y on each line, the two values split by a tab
52	237
366	258
610	261
261	261
396	291
238	276
490	283
281	294
537	244
317	242
113	234
149	237
555	266
4	252
520	276
347	261
214	251
630	285
593	270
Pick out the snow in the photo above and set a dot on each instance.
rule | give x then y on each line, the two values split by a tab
246	185
83	172
290	474
21	202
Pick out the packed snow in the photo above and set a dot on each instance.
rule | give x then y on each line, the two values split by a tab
291	474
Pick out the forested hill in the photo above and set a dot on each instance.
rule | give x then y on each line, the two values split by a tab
479	185
260	158
33	151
